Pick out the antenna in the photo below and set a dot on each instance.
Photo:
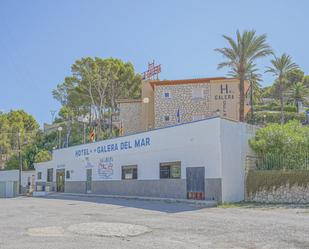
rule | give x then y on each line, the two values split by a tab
53	112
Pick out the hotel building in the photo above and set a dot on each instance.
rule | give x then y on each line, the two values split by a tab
170	102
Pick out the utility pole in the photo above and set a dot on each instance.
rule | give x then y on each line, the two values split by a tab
20	162
111	128
84	126
68	136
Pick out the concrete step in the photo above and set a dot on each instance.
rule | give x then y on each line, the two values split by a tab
40	193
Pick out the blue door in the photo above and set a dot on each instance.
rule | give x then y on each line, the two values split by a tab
195	183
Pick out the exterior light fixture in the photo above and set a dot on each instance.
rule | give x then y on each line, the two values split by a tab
146	100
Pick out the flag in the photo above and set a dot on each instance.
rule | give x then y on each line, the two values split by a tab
178	115
92	136
121	130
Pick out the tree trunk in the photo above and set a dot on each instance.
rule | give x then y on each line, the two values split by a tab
251	102
242	98
281	103
297	106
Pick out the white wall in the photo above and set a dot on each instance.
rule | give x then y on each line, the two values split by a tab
194	144
235	147
9	175
13	175
42	167
217	144
24	177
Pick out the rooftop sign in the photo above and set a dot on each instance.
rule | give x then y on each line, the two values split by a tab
152	72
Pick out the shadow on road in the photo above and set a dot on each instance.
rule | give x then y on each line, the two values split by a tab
154	205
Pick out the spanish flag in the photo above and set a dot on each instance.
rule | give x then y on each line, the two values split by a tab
92	136
121	130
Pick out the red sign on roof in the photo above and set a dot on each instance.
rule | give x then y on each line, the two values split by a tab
152	72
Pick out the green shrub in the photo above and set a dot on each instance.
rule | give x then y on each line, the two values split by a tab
290	108
275	117
261	107
285	161
43	156
282	146
274	107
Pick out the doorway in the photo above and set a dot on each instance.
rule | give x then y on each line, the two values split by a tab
88	180
60	180
195	183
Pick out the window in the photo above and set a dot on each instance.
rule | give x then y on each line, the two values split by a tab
170	170
50	175
197	93
129	172
67	174
167	94
166	118
39	176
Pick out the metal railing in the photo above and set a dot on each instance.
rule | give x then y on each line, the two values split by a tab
271	161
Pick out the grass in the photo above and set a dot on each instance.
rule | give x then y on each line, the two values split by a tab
244	204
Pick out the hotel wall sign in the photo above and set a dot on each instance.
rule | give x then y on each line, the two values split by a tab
225	95
136	143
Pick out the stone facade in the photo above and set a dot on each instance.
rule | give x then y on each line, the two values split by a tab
195	101
180	97
130	115
277	186
281	194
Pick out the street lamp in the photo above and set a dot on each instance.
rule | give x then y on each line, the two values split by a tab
59	137
146	100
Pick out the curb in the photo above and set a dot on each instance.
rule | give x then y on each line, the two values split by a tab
168	200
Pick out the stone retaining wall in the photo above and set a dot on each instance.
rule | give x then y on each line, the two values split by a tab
283	194
278	186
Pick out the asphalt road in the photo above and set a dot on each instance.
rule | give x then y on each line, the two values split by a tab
81	222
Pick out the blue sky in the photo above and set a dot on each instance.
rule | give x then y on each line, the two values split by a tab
39	40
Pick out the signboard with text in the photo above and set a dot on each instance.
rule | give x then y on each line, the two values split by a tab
111	147
152	71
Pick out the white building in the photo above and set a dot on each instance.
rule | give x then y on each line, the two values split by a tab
9	182
198	160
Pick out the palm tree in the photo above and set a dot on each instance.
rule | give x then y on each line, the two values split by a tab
240	54
298	93
254	79
281	67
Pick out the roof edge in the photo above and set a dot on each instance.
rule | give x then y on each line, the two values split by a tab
187	81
